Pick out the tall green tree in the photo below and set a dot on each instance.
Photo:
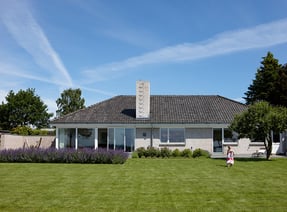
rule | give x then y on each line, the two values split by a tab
269	83
70	101
261	120
24	108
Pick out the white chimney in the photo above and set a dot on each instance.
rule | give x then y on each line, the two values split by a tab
142	100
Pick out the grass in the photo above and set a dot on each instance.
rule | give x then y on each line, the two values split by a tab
145	185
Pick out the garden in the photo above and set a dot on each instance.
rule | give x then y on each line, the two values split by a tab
146	184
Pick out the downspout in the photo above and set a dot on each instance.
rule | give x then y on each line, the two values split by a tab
151	136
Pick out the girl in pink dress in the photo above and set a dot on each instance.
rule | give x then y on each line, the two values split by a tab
230	157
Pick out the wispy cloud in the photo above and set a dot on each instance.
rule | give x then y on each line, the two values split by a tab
111	24
260	36
7	69
19	21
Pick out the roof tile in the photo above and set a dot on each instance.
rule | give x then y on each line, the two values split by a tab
191	109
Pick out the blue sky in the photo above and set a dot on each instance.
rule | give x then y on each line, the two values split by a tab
183	47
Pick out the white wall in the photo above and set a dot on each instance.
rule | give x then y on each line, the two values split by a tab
16	141
195	138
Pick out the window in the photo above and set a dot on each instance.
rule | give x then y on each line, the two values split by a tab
67	137
121	138
223	135
86	138
276	137
217	140
172	135
230	136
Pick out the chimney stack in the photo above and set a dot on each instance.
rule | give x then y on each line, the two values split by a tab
142	100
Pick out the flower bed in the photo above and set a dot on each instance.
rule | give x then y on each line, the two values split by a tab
52	155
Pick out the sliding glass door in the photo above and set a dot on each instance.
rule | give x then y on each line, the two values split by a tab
121	139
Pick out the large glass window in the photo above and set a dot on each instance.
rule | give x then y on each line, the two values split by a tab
217	140
164	135
86	138
130	138
230	136
67	137
172	135
111	138
121	138
276	137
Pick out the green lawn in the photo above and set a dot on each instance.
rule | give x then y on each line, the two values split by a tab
145	185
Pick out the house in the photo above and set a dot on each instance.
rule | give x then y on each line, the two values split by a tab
173	121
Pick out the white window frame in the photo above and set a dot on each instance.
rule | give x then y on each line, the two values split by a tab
168	137
229	142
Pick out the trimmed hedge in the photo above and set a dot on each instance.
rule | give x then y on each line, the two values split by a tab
200	153
152	152
52	155
25	130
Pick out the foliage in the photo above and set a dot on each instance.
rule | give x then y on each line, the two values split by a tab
165	152
24	108
25	130
70	101
141	151
52	155
176	153
270	83
135	154
152	152
259	121
200	153
187	153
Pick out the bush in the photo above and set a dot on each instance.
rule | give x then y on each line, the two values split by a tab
187	153
141	151
135	155
25	130
165	152
22	130
152	152
176	153
200	153
52	155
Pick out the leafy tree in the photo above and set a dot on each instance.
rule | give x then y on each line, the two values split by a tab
269	83
24	109
259	121
70	101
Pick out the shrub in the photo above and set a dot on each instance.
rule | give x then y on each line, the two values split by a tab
200	153
187	153
165	152
176	153
52	155
141	151
22	130
25	130
152	152
135	155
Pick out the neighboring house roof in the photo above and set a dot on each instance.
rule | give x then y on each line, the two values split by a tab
165	109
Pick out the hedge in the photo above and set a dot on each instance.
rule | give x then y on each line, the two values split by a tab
52	155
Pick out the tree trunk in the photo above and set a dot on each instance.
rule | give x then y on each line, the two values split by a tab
268	147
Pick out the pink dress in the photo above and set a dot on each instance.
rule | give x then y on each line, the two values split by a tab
230	157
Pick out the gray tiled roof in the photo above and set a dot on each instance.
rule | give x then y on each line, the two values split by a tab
171	109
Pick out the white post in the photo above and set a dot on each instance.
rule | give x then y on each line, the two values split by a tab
96	138
57	138
76	139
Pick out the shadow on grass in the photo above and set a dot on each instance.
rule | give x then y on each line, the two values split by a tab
244	159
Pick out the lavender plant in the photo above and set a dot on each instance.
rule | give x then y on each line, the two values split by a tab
52	155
